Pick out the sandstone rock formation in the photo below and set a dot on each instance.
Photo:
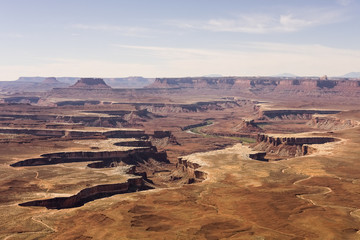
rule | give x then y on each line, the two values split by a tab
288	146
292	114
140	154
247	126
90	83
77	134
191	169
253	82
332	123
90	194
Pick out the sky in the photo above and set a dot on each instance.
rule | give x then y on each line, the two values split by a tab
172	38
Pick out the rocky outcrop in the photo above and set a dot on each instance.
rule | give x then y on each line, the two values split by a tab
90	83
196	107
258	156
191	169
26	100
163	138
292	114
275	141
30	85
288	146
128	157
332	123
90	194
76	134
254	82
202	124
134	144
265	86
247	126
77	103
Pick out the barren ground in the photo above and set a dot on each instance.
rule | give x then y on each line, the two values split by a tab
313	196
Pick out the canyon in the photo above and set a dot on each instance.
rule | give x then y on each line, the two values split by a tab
182	158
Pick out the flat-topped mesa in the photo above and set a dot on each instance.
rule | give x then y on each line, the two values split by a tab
292	114
77	134
90	194
90	83
332	123
261	85
275	141
288	146
50	80
130	157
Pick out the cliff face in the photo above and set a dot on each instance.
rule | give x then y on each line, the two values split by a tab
191	169
292	114
288	146
332	123
275	141
180	108
90	194
222	82
122	119
78	134
258	85
107	157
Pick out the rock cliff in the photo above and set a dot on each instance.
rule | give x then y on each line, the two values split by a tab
236	82
292	114
284	147
76	134
332	123
107	157
191	169
90	194
265	85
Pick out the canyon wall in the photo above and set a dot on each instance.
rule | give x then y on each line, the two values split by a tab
265	85
332	123
288	146
129	157
76	134
271	82
292	114
90	194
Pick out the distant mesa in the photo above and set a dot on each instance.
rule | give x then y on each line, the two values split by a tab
213	75
352	75
286	75
90	83
50	80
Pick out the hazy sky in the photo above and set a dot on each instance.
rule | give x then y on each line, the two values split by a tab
168	38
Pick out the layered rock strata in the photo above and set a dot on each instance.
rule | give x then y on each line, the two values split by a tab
288	146
76	133
90	194
274	83
292	114
332	123
191	169
107	157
